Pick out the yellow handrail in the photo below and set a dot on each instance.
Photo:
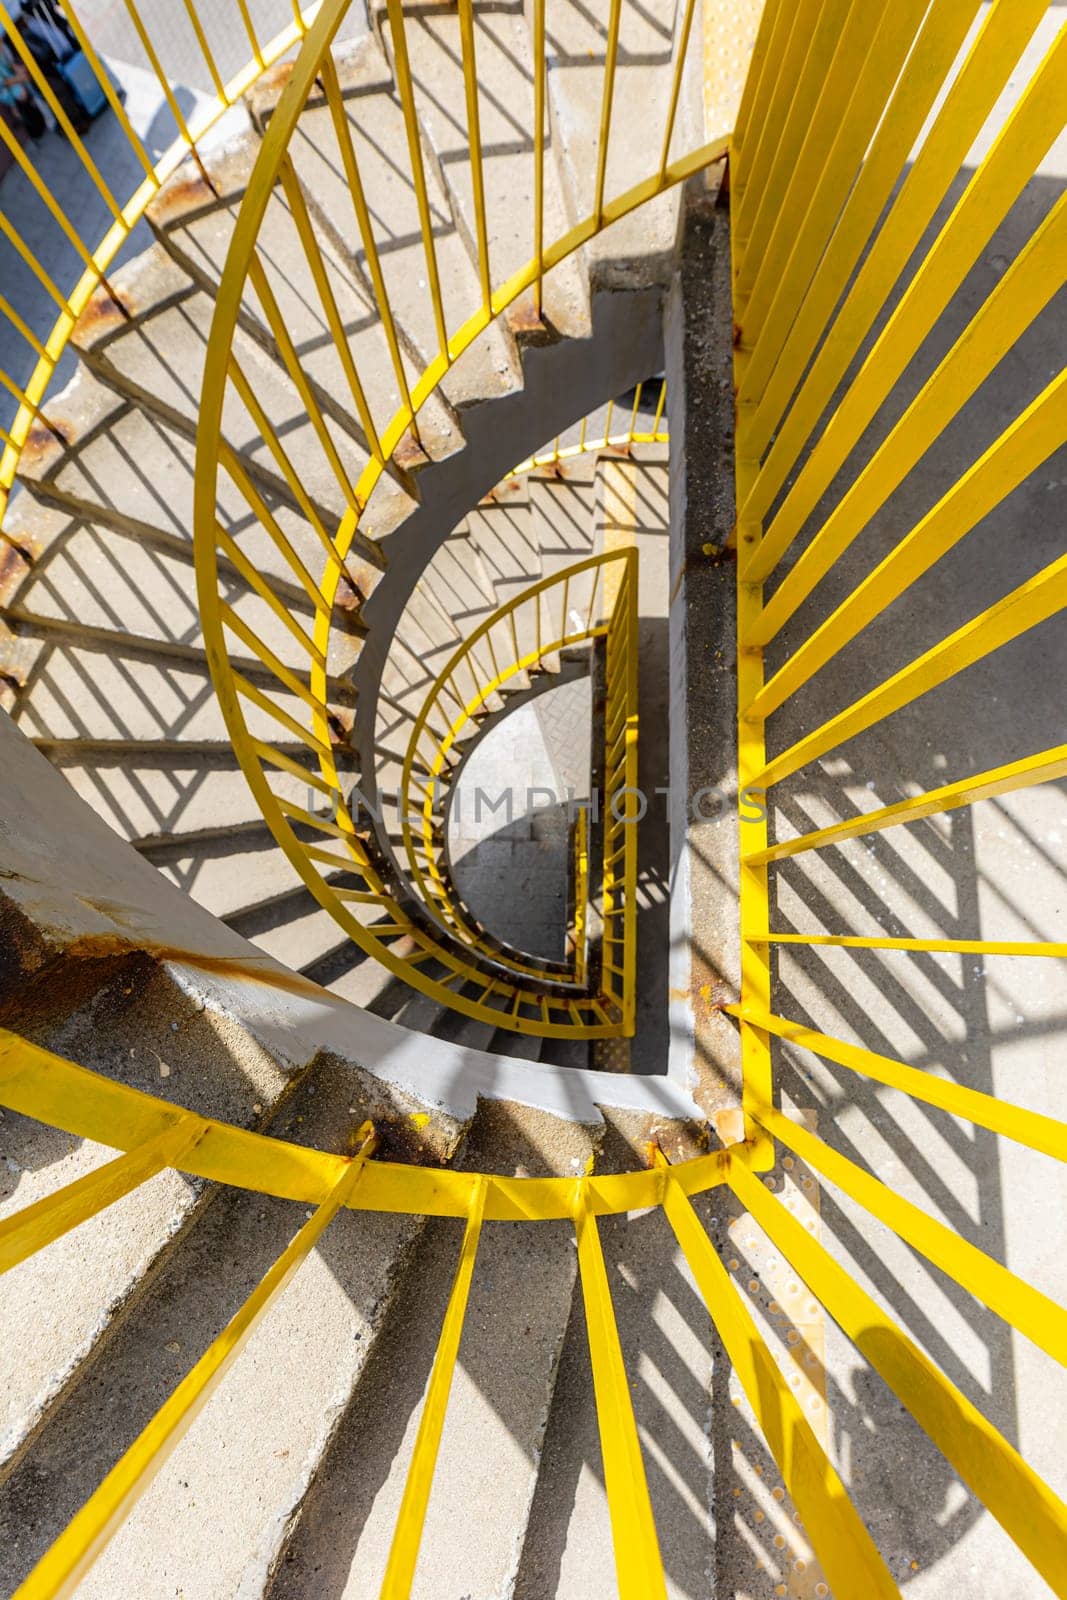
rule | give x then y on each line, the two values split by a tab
609	615
96	255
403	953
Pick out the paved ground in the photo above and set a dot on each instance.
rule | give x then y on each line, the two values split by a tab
513	874
112	34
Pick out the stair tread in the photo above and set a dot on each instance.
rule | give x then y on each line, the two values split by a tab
504	68
520	1298
199	237
156	1039
374	114
158	360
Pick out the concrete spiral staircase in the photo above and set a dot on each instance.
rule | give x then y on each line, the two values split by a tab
104	665
104	670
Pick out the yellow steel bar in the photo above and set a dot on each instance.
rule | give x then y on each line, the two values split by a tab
816	37
263	589
257	277
14	389
676	83
265	703
47	198
943	33
753	883
659	408
638	1564
70	1557
610	59
205	49
1031	603
15	239
277	758
343	134
407	1535
762	67
1030	1128
1044	767
161	77
540	72
1024	1506
253	37
264	653
965	947
1034	436
848	1555
37	1225
842	126
970	98
1021	145
267	433
9	30
114	100
406	91
474	146
309	243
7	310
633	415
268	522
581	894
1023	292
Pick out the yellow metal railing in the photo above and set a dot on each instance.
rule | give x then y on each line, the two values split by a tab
855	123
621	441
298	700
95	254
152	1134
592	599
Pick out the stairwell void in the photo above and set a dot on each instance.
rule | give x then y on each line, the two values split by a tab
655	1191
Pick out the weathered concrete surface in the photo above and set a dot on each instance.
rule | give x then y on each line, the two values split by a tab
704	941
213	1517
498	1406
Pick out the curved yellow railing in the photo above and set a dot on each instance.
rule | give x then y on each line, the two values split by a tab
855	124
514	640
300	702
621	441
97	254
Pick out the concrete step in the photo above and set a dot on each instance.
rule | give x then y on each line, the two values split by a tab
504	69
230	875
195	225
518	1309
219	1508
638	249
151	349
120	467
490	367
122	694
563	518
144	1032
150	794
668	1350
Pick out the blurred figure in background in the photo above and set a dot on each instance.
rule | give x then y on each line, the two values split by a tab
18	103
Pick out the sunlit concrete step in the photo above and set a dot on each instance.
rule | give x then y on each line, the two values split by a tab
141	1030
504	67
151	794
519	1304
218	1510
153	350
490	367
119	467
195	225
130	696
668	1351
638	249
